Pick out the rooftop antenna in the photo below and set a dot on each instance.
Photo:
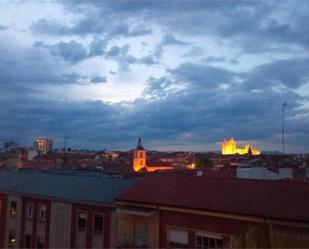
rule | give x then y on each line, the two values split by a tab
64	150
65	143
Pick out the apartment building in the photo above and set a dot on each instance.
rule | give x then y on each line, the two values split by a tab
58	209
185	211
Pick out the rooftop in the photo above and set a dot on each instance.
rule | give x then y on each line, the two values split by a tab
281	199
68	185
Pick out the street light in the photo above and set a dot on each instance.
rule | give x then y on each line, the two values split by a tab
283	128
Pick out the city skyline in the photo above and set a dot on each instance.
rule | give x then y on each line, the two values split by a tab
183	75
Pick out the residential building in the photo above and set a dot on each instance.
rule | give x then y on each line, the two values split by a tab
10	146
165	210
43	145
58	209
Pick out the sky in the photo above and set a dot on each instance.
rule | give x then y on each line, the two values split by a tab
182	74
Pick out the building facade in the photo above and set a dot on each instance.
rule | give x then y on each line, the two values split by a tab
163	211
48	210
140	163
43	145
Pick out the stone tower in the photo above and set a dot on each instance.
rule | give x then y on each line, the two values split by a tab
139	157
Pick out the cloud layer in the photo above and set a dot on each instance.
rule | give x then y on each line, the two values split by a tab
181	74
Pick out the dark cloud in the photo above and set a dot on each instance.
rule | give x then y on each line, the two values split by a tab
169	39
207	115
124	30
148	60
3	27
71	52
157	88
291	73
192	103
211	59
219	59
206	76
48	27
114	51
253	26
70	78
29	67
122	56
91	23
194	51
98	79
213	114
97	47
233	61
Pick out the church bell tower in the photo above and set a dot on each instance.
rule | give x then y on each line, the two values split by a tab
139	156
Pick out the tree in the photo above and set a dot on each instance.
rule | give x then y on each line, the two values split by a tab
202	161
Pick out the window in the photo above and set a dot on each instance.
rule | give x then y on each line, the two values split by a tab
98	222
12	239
206	241
13	209
28	241
82	220
178	238
140	234
40	244
42	213
29	210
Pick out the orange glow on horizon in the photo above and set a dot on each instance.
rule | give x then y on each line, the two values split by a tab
229	147
154	168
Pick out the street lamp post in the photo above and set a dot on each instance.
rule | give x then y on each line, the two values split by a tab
283	128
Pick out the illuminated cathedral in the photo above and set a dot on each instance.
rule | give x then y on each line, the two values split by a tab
139	160
229	147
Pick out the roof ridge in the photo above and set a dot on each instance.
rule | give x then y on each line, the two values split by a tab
284	180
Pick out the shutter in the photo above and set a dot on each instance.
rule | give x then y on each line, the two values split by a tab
178	236
141	234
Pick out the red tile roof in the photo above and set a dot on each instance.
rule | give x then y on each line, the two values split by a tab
282	199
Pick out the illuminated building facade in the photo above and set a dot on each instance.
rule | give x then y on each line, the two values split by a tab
229	147
43	145
139	160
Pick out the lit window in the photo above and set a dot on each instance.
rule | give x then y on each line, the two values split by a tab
98	222
12	239
30	210
82	220
42	213
205	241
13	209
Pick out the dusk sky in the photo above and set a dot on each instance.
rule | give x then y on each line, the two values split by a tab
181	74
